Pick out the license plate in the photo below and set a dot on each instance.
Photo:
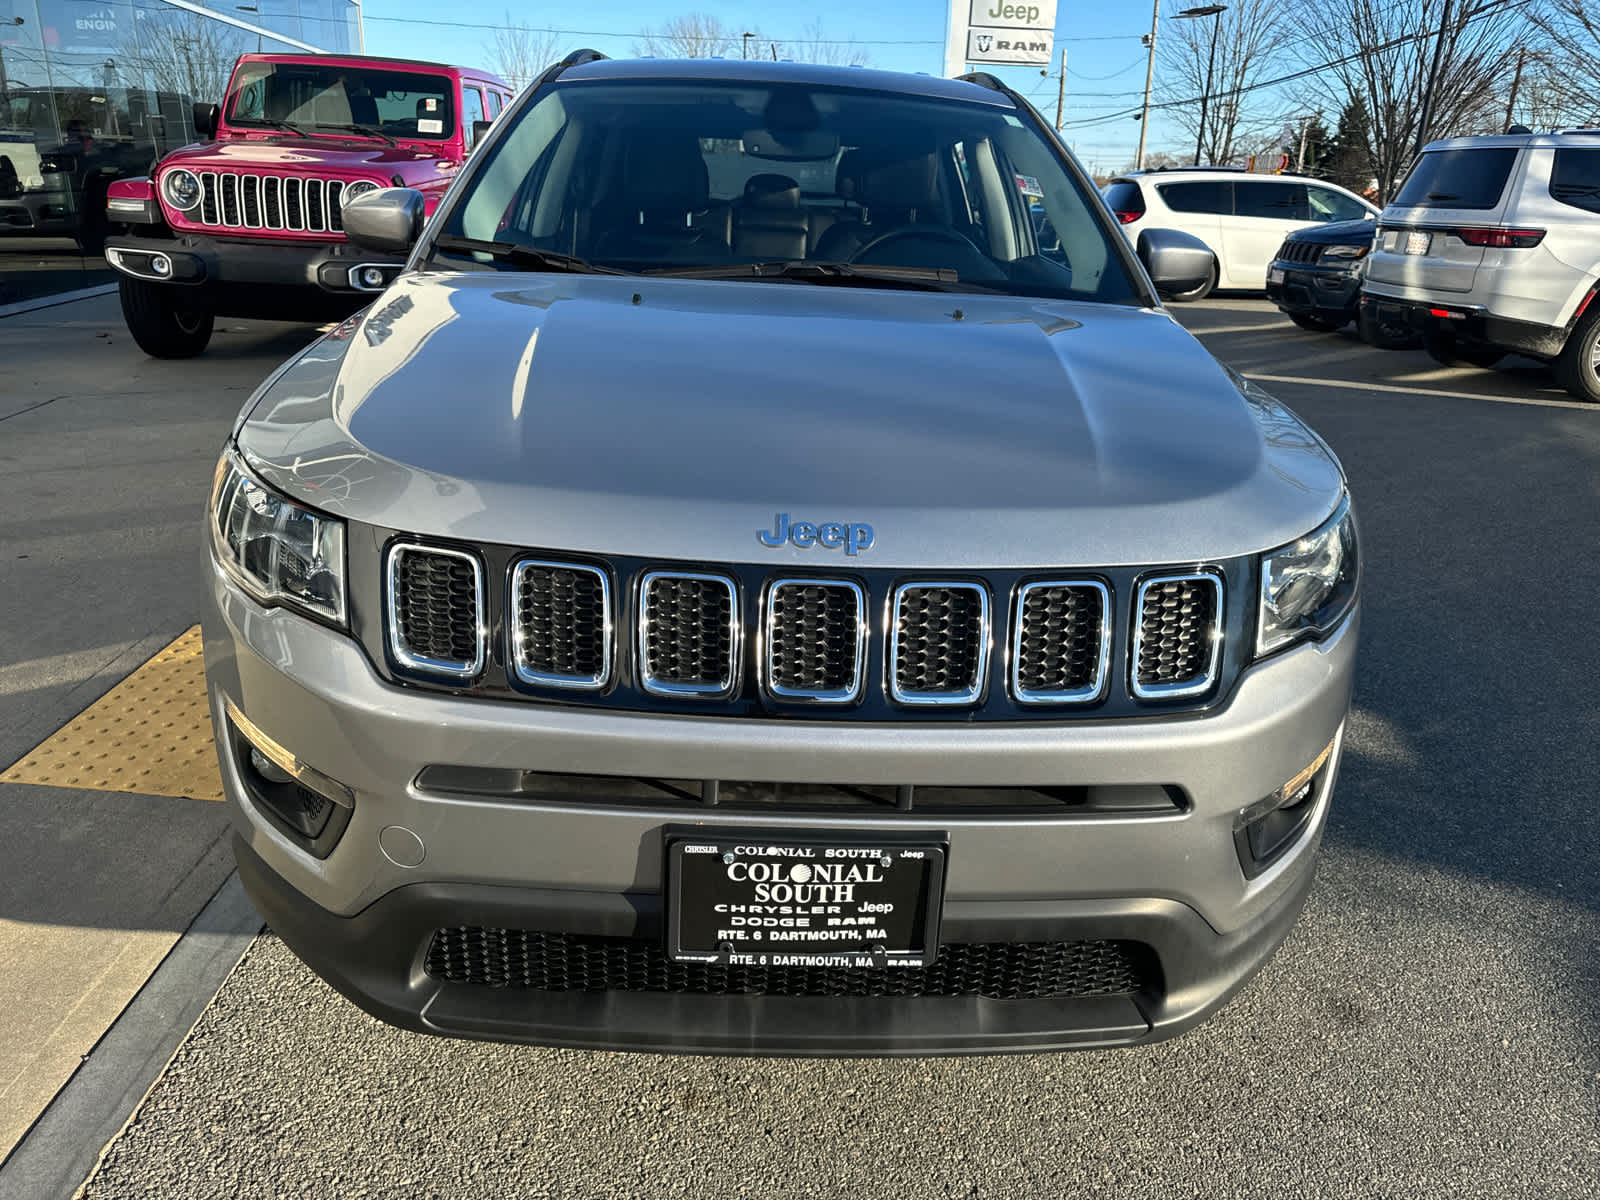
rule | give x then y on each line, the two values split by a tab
1418	243
1274	274
748	900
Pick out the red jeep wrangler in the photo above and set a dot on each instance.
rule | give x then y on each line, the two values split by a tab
248	224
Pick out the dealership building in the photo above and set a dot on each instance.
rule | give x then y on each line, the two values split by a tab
94	90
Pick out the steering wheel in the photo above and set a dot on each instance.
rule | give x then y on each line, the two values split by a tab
909	232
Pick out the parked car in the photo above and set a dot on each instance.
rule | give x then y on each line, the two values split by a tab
1242	217
250	223
1492	246
1315	279
711	673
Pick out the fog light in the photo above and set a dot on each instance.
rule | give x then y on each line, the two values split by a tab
372	277
1266	829
296	799
268	769
161	265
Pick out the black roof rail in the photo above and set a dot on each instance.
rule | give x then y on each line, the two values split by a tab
984	79
576	59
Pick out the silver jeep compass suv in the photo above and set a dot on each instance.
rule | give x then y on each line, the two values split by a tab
736	591
1492	246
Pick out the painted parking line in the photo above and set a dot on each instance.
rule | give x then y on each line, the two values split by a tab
150	734
1362	386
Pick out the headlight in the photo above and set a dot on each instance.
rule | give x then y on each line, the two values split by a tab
1346	251
359	188
1309	585
277	551
181	188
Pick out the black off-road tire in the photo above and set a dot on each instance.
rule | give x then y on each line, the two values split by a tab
164	322
1199	293
1576	368
1316	324
1445	350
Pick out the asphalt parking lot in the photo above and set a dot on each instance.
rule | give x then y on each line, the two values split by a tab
1430	1029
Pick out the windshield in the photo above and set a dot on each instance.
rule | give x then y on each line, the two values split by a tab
315	98
696	176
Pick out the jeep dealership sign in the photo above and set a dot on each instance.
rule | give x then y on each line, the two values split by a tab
1010	32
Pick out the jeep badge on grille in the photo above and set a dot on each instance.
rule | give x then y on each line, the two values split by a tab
830	535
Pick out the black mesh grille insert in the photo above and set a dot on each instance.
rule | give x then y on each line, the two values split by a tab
1177	628
335	205
813	643
939	643
688	641
209	212
251	186
561	623
436	606
1061	636
314	201
558	962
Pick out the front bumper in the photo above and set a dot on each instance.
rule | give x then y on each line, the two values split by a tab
1329	293
363	921
267	279
1469	323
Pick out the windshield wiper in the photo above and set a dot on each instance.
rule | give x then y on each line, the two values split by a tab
274	123
931	279
531	256
366	129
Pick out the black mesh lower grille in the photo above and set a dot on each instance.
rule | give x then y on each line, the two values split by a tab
689	635
558	962
813	644
561	622
939	640
1060	639
436	606
1177	629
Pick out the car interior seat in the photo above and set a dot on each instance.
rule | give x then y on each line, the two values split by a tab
664	184
890	190
769	221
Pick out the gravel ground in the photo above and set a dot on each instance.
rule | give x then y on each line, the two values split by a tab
1429	1029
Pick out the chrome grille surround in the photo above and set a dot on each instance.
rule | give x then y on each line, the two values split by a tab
973	691
772	631
652	681
230	200
519	631
1188	687
1021	647
403	654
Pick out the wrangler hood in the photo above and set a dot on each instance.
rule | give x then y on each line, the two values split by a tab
676	419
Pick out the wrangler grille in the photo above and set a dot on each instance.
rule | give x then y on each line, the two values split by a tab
941	643
1179	635
555	962
436	619
816	633
231	200
688	634
562	634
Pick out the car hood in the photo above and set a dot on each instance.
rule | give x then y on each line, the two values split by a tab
1337	233
676	418
293	154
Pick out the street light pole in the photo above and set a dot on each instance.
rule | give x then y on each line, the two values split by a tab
744	46
1149	78
1206	10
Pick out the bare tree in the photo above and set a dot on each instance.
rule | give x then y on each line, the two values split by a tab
1566	81
694	35
186	54
1392	55
814	46
1248	36
521	54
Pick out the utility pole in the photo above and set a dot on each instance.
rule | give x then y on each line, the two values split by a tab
1061	91
1300	162
1149	77
1426	116
1516	82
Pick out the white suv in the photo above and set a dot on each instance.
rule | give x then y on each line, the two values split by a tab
1242	217
1492	245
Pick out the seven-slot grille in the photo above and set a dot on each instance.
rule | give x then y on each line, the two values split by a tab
247	201
436	617
561	635
1061	642
1176	640
688	634
816	636
816	639
940	643
1299	252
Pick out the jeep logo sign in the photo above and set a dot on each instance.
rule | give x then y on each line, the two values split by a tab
830	535
1014	32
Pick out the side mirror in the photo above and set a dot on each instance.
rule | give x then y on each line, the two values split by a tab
205	119
1177	262
388	220
479	128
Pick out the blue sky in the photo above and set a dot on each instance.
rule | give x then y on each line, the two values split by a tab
1104	54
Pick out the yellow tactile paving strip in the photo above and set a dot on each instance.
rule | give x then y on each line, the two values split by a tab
149	734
